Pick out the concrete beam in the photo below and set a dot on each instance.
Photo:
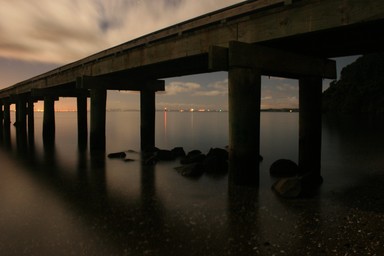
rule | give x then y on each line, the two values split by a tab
218	58
270	61
39	94
118	83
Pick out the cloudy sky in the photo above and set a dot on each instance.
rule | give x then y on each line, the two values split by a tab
40	35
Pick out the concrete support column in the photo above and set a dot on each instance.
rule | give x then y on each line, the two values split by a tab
244	125
147	117
31	122
21	124
310	92
49	121
82	123
98	119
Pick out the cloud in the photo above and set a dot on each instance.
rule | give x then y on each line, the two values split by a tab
287	87
62	31
219	88
177	87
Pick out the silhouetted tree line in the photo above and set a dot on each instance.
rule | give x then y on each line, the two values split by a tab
360	88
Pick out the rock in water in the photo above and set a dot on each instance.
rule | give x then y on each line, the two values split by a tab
216	161
165	155
117	155
284	168
178	152
194	156
191	170
219	153
288	187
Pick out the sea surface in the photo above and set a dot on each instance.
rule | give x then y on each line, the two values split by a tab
61	201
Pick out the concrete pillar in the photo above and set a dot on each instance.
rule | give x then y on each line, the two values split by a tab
244	125
31	122
147	117
49	121
310	92
21	124
98	118
82	123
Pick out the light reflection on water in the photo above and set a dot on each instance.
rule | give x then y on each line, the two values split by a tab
64	202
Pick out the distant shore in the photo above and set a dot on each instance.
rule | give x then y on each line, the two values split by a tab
182	110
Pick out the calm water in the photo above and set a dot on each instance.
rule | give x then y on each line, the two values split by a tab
62	202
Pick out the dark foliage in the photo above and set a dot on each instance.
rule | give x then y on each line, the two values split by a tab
360	88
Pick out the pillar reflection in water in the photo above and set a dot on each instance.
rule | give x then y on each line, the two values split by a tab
1	122
31	123
7	125
21	125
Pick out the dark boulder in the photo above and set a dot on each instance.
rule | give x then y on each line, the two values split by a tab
219	153
284	168
117	155
165	155
216	161
288	187
194	152
193	170
298	187
194	156
178	152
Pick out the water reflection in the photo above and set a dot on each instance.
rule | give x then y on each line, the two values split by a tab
7	134
111	207
244	236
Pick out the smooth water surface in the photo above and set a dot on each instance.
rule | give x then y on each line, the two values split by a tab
59	201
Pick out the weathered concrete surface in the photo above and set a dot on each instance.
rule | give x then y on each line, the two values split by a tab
244	125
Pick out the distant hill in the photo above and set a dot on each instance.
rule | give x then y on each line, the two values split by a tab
360	88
